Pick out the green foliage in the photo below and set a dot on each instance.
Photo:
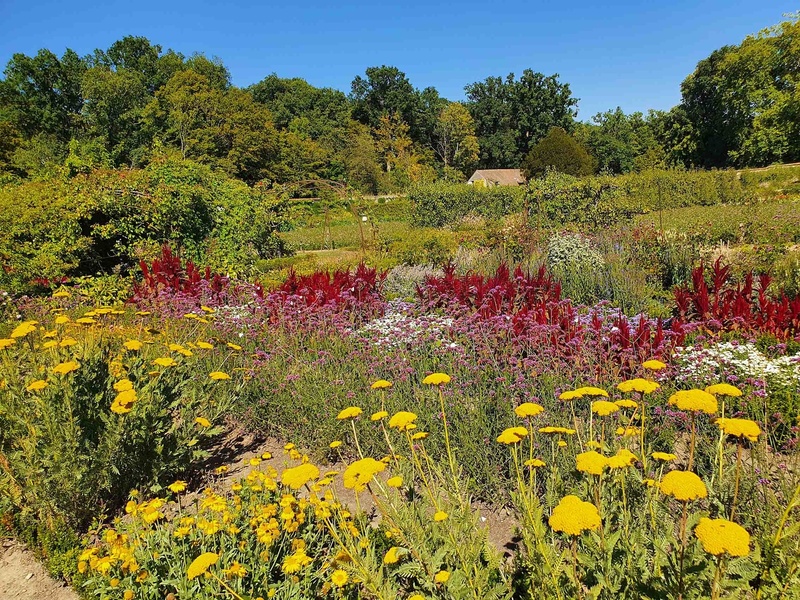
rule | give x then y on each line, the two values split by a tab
557	151
441	204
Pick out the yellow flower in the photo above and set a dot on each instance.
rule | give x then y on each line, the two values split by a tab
165	361
664	456
534	463
591	462
339	578
203	422
334	444
50	344
720	536
67	342
551	429
683	485
351	412
295	562
86	321
233	346
381	384
436	379
61	319
622	459
360	473
394	482
392	556
402	420
440	516
512	435
562	444
61	294
441	577
177	487
23	329
36	386
604	408
381	414
528	409
694	400
297	477
128	595
570	395
204	345
66	367
654	365
124	401
416	597
133	345
574	516
6	342
741	428
201	564
420	435
123	385
235	570
643	386
592	391
724	389
625	403
627	431
218	375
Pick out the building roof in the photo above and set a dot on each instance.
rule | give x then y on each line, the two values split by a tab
499	176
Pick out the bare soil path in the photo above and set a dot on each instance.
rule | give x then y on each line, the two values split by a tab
22	577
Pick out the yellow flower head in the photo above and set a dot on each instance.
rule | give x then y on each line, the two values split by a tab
233	346
6	342
177	487
534	463
573	516
442	577
622	459
402	420
436	379
528	409
381	414
351	412
61	294
664	456
683	486
235	570
694	400
133	345
570	395
392	556
643	386
420	435
720	536
204	345
201	564
165	361
219	375
625	403
395	482
654	365
203	422
512	435
23	329
36	386
592	391
741	428
603	408
440	516
360	473
61	319
591	462
66	367
553	429
123	385
724	389
339	578
627	431
297	477
67	342
86	321
334	444
381	384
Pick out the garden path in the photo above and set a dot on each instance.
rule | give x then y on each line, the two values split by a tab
22	577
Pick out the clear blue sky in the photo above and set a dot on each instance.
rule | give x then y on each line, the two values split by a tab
632	54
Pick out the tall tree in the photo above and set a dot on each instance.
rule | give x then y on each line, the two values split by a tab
455	142
384	91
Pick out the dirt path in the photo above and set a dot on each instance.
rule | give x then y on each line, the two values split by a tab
22	577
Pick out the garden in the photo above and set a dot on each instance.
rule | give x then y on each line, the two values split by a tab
582	388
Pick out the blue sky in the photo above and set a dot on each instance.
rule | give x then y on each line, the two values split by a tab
632	54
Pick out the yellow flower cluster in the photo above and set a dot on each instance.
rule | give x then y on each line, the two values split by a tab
573	516
741	428
720	536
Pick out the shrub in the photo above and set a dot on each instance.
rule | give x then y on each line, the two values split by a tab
558	151
573	250
443	204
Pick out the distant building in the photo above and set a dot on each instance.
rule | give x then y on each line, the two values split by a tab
492	177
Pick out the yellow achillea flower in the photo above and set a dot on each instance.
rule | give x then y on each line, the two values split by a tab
573	516
440	516
442	577
67	342
339	578
720	536
360	473
436	379
653	364
61	294
165	361
552	429
416	597
351	412
694	400
36	386
570	395
381	414
528	409
625	403
512	435
534	463
133	345
381	384
124	401
50	344
201	564
622	459
61	319
591	462
6	342
177	487
233	346
86	321
235	570
402	420
204	345
66	367
334	444
420	435
219	375
394	482
180	349
23	329
643	386
123	385
603	408
297	477
741	428
591	391
203	422
683	486
627	431
392	556
724	389
664	456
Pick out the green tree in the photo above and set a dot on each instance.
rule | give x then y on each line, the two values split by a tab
392	140
558	151
620	143
455	142
384	91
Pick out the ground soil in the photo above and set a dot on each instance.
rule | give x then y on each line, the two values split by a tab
22	577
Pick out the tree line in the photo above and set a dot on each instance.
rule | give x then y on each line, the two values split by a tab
118	107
